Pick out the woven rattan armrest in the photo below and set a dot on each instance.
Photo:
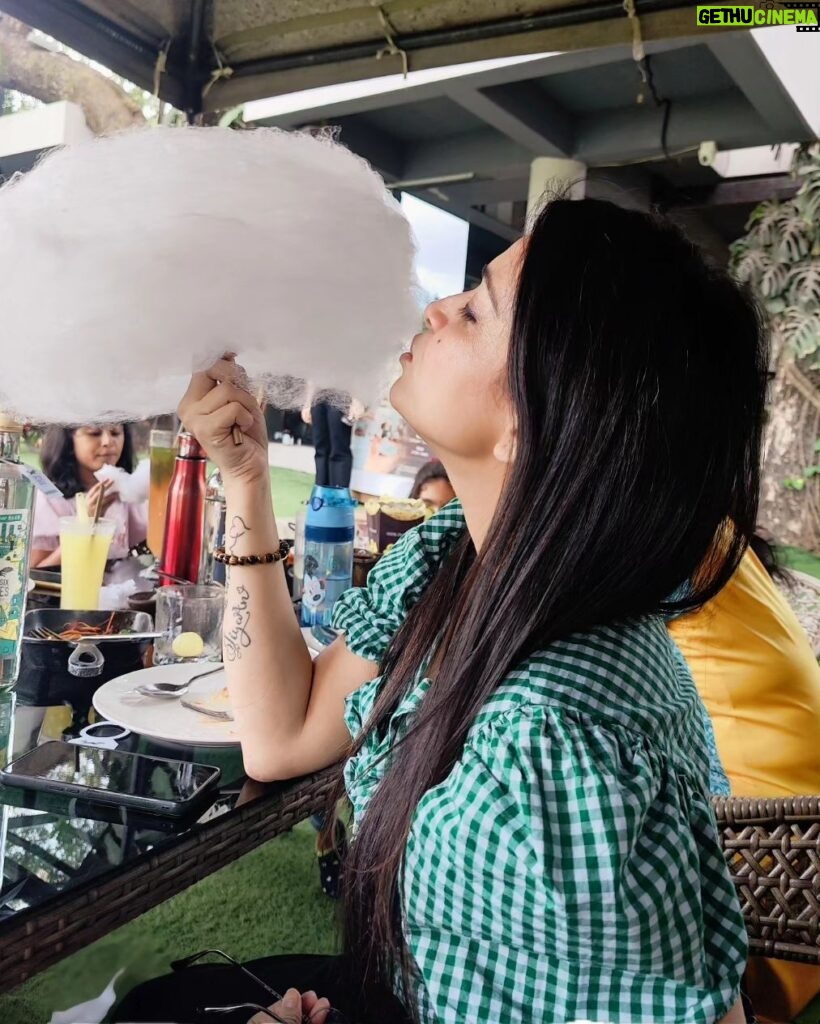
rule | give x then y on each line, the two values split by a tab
772	849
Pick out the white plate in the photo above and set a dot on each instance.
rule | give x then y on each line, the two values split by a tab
168	720
162	719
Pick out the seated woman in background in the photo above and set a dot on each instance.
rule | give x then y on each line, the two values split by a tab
432	485
70	457
755	670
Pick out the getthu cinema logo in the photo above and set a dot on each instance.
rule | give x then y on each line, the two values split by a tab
804	16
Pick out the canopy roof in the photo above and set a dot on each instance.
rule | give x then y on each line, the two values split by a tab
465	142
215	54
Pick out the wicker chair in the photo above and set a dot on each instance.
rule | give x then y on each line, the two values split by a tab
772	849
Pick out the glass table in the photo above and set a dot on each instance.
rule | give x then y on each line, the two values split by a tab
72	874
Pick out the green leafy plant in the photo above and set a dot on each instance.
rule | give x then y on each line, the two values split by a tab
779	257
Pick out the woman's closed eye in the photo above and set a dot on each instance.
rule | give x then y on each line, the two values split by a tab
467	314
115	432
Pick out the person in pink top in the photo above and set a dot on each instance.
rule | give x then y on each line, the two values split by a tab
70	457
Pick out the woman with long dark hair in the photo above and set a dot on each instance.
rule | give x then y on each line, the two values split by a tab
70	456
526	751
432	485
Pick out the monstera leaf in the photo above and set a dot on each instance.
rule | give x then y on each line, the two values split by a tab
802	329
773	280
804	285
809	201
762	226
750	264
796	237
775	306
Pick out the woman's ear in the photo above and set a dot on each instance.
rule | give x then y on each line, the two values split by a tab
505	448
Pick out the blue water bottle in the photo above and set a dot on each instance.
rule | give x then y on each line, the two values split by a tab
330	528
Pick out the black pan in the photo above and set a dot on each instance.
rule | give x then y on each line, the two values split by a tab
45	675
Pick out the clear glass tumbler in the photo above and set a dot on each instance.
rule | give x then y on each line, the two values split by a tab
189	616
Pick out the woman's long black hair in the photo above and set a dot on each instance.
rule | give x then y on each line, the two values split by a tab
637	375
60	464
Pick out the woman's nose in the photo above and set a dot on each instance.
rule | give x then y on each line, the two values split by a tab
434	316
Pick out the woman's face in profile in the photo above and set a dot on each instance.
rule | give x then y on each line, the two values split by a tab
453	388
98	446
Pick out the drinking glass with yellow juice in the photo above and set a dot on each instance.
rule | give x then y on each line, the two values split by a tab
84	547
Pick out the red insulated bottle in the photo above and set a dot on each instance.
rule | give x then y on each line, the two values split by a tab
182	544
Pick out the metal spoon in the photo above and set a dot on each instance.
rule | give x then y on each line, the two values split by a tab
165	691
172	690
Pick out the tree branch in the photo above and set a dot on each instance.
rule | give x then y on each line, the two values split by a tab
50	77
799	381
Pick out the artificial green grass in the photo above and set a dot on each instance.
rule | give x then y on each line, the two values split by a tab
290	488
29	456
802	561
268	902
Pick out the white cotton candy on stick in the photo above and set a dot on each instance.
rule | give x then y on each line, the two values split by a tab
131	488
128	262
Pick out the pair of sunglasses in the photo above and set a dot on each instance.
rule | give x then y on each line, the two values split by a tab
333	1016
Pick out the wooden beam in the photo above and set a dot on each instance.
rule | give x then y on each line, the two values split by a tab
577	26
741	191
415	91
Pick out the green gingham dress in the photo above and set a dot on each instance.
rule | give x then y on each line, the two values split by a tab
568	868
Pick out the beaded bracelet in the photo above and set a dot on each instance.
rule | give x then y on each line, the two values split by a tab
220	555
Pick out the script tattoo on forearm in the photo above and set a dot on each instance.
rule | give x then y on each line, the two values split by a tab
237	638
238	529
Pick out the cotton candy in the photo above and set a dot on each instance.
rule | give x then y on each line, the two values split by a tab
128	262
130	488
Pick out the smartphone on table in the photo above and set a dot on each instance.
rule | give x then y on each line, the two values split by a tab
154	785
